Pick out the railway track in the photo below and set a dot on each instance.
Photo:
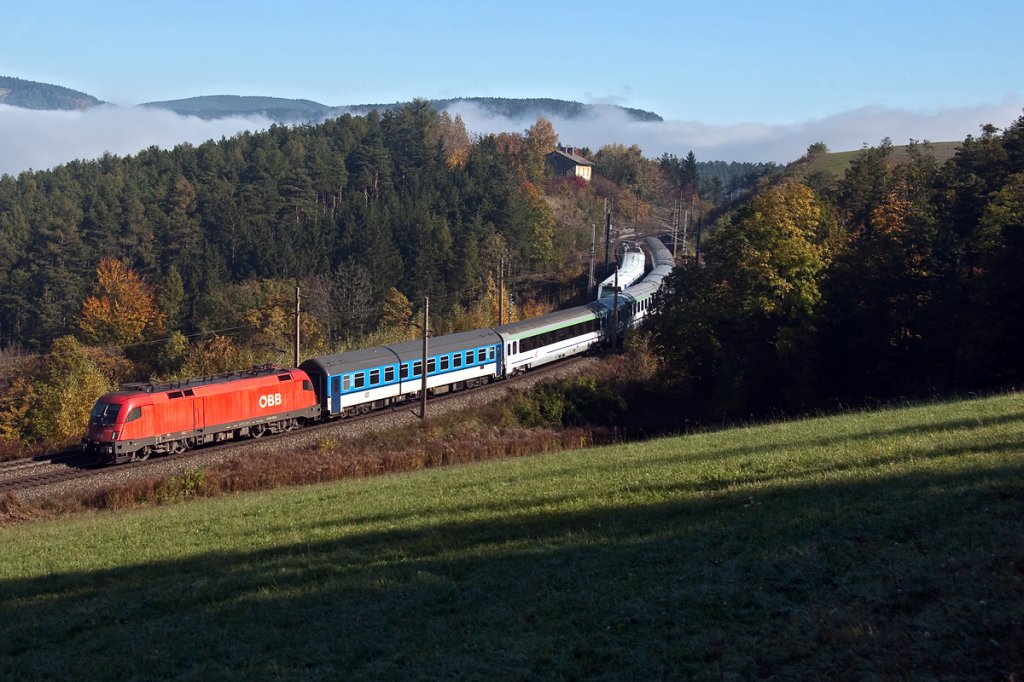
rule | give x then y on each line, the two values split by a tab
71	467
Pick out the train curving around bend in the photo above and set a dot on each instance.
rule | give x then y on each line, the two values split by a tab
141	420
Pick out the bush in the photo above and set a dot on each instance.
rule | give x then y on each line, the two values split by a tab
70	384
575	402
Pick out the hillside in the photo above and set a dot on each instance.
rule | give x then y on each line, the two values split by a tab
31	95
872	545
834	164
291	111
274	108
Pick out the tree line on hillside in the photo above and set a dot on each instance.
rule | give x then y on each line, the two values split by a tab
31	95
399	200
896	281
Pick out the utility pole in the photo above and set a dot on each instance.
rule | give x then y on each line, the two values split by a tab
698	242
675	229
593	250
297	326
423	363
501	291
607	232
615	312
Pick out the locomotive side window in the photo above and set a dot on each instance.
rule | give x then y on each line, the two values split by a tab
174	394
135	414
307	385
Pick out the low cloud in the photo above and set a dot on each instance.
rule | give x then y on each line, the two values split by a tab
757	141
39	140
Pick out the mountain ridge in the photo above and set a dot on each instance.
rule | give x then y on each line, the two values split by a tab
46	96
284	110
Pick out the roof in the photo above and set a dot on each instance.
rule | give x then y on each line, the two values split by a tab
555	320
226	377
350	361
447	343
575	158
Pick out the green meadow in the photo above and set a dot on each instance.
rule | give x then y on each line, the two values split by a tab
884	544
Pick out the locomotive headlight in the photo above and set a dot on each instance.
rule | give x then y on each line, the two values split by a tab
113	436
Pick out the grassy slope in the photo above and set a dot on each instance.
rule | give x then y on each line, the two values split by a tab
836	163
885	544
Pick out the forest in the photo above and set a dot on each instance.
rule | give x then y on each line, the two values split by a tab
809	291
895	281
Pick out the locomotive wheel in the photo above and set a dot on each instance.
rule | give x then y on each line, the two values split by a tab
176	448
141	455
258	430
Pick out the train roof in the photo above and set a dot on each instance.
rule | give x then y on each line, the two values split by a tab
350	361
447	343
555	320
195	382
379	356
630	269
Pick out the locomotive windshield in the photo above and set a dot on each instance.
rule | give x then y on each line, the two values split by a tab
104	414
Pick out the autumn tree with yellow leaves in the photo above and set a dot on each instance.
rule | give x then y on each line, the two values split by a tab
122	308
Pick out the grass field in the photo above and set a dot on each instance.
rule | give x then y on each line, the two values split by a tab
836	163
887	544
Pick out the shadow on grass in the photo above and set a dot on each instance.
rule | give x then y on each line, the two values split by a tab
917	575
800	441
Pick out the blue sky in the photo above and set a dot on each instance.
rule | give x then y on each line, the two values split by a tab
732	77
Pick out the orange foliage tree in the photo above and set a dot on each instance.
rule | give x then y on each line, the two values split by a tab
122	308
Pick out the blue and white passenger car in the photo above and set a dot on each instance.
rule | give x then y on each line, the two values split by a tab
358	381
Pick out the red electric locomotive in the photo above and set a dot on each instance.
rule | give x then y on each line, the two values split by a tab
144	419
